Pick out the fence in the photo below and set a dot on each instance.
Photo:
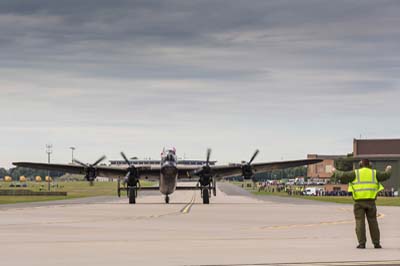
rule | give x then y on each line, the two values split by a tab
26	192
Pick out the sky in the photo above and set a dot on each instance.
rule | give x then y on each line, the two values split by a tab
287	77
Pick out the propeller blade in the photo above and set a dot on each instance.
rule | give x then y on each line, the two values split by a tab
254	156
125	158
79	162
208	156
99	160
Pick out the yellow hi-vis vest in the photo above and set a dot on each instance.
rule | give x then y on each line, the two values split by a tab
365	185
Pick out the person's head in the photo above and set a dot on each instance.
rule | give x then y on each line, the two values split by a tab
365	163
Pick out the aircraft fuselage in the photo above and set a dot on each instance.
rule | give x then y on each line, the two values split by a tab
169	172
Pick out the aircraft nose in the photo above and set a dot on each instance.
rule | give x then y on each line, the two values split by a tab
168	168
170	157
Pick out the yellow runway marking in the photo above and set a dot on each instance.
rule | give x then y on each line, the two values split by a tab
338	263
345	263
187	208
281	227
345	209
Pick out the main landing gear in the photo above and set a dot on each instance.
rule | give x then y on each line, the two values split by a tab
205	194
206	188
132	194
131	190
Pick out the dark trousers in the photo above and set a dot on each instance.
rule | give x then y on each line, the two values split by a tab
362	209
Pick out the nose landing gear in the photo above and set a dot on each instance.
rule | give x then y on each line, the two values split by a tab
167	199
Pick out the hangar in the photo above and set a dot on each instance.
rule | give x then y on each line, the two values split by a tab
381	152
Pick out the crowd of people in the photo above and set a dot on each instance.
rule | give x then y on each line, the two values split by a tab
301	190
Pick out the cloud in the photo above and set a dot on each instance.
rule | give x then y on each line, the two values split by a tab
196	70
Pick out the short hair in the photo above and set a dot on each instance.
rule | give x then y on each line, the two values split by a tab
365	163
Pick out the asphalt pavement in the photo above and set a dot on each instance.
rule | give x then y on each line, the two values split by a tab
236	228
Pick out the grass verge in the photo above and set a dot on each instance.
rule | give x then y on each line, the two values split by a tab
74	190
381	201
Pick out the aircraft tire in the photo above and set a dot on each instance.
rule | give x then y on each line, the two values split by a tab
167	199
206	196
214	187
119	188
132	195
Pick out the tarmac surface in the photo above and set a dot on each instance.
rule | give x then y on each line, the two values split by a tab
237	228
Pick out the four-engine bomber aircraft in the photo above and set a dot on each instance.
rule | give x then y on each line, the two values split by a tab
168	173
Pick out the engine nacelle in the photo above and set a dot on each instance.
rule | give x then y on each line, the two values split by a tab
91	174
247	171
205	175
132	177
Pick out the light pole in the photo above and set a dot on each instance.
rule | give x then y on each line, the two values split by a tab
72	151
49	151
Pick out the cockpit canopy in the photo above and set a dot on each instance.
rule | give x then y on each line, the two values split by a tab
168	150
171	150
169	154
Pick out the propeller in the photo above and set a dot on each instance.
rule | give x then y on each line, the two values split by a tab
90	169
246	168
126	159
208	157
254	156
102	158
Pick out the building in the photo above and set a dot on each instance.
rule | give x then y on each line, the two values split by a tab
322	170
381	152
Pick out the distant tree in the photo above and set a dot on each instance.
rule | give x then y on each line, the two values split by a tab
345	163
282	173
3	172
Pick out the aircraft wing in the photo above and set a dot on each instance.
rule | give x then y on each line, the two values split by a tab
146	172
106	171
266	167
153	172
67	168
223	171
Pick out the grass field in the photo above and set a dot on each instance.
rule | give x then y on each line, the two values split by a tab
74	190
381	201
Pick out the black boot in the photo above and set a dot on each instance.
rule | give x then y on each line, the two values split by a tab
377	245
362	246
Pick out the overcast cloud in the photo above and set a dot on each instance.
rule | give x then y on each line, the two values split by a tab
288	77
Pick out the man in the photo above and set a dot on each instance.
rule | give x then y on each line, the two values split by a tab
364	184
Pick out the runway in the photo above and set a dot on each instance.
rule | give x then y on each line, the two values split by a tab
235	229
